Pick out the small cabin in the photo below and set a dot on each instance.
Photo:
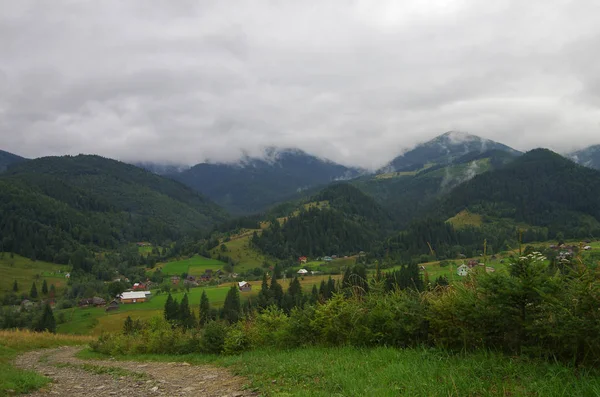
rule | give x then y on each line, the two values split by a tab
462	270
244	286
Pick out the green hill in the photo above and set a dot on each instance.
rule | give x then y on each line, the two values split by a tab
51	206
408	195
541	188
350	222
7	159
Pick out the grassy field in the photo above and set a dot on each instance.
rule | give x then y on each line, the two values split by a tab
466	218
94	321
392	372
238	249
13	380
195	266
26	271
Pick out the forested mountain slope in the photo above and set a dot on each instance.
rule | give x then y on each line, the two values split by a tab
253	184
407	195
346	221
589	157
51	206
7	159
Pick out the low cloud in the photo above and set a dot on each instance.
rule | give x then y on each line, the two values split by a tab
353	81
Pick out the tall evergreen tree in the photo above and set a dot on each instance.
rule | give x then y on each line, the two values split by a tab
232	306
15	286
46	322
44	288
52	291
314	295
264	295
276	292
128	326
33	293
186	318
204	313
171	309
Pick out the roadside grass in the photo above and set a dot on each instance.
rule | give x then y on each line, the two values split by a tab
346	371
25	272
115	372
14	380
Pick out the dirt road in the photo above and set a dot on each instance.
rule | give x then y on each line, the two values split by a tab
74	377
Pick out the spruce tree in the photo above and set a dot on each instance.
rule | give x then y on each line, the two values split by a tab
264	295
330	287
232	305
185	317
171	309
314	295
204	313
128	326
276	292
33	294
46	321
15	286
44	288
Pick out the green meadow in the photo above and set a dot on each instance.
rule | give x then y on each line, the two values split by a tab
25	272
195	266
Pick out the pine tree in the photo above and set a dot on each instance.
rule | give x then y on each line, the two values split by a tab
46	321
15	286
33	294
204	313
44	288
276	292
264	295
314	295
186	319
232	305
128	326
171	309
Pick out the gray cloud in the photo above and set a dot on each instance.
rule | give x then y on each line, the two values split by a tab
353	81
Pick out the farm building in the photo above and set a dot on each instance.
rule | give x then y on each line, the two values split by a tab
114	305
139	287
587	248
135	296
462	270
244	286
302	271
303	259
95	301
327	259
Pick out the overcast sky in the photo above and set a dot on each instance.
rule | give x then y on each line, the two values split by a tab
354	81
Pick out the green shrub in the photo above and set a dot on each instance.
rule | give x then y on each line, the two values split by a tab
213	337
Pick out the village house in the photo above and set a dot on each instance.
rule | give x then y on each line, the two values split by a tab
302	271
112	306
327	259
95	301
303	259
135	296
175	280
139	287
462	270
244	286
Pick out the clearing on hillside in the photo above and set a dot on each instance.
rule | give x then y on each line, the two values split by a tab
25	272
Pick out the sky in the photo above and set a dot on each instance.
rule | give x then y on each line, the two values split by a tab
357	82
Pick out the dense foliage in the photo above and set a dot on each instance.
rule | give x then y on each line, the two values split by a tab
351	223
51	207
534	309
540	188
7	159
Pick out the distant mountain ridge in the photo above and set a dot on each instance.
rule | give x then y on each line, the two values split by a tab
589	157
443	150
7	159
254	184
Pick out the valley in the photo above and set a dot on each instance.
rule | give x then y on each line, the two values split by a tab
436	250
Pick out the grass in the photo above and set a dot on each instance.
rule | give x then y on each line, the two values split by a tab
14	380
195	265
238	249
25	272
386	372
465	218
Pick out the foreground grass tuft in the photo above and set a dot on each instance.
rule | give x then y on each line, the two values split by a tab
14	380
393	372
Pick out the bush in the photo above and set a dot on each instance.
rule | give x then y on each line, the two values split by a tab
213	337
